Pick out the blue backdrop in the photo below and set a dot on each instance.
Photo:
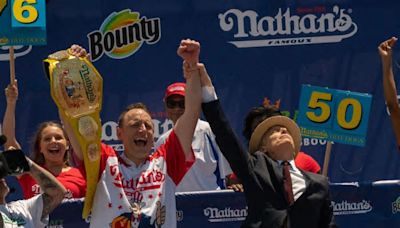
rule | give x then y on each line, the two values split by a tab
254	50
368	204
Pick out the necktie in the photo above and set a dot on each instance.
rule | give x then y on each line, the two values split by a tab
287	183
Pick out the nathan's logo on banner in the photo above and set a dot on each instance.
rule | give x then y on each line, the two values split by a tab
396	206
347	208
225	215
122	34
286	28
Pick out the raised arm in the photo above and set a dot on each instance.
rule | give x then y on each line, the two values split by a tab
389	84
9	116
189	50
53	190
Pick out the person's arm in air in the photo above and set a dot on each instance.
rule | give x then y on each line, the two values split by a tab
189	51
389	85
9	116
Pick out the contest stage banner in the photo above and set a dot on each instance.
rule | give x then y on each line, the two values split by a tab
76	88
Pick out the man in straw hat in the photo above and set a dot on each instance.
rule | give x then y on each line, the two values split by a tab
256	115
268	170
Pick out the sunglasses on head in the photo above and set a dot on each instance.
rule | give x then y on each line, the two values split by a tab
173	104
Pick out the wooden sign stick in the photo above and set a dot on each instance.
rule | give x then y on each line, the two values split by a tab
12	65
327	158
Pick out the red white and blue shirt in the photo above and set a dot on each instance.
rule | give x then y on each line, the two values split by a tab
128	195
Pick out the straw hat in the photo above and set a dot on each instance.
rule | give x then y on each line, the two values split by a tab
262	128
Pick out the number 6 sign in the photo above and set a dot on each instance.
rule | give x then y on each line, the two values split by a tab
335	115
28	13
22	22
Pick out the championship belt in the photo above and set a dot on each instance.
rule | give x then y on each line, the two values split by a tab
77	89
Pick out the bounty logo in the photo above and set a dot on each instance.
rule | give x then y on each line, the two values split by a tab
347	208
225	215
396	206
285	29
122	34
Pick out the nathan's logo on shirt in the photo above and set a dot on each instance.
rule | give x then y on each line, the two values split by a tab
35	189
346	208
396	206
286	28
122	34
151	179
225	215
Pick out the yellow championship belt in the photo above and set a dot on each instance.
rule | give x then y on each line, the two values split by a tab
77	89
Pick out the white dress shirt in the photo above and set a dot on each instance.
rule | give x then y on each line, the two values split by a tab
298	181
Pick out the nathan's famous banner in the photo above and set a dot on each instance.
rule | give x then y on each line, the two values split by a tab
372	205
258	53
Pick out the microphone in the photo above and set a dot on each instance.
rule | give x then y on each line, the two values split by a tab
3	139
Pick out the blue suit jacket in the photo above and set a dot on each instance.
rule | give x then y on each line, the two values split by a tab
262	180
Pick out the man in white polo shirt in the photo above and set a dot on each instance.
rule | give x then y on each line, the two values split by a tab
210	167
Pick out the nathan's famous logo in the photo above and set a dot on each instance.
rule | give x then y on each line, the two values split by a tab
88	83
147	181
396	206
346	208
122	34
286	28
225	215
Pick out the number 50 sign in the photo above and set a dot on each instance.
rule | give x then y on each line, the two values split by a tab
334	115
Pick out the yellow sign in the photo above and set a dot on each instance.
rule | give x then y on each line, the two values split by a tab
3	4
21	6
77	88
